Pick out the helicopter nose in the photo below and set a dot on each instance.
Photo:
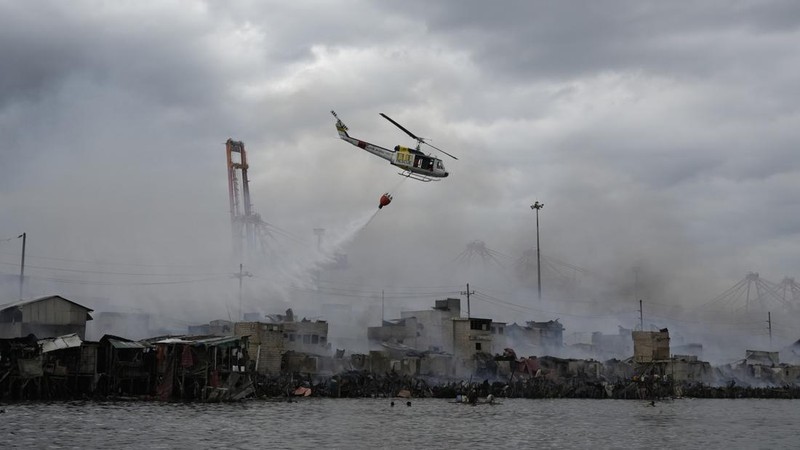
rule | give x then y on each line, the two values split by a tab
446	174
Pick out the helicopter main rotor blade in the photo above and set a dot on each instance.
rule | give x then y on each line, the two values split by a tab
401	127
437	148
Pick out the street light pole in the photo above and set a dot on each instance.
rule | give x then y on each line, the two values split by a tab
22	265
537	206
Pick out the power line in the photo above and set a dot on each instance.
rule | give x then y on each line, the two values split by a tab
106	263
126	283
115	273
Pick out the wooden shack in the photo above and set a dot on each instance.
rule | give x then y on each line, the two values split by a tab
44	317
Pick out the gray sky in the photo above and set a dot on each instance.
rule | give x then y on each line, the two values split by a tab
661	136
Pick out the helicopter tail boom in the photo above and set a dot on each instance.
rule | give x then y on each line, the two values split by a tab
341	128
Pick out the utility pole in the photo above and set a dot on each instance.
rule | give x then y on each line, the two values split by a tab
467	293
383	303
537	206
319	233
641	317
317	273
22	265
240	276
769	324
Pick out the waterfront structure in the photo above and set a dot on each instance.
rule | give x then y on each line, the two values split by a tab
125	365
433	325
283	344
208	368
424	330
265	345
649	346
48	316
306	336
471	344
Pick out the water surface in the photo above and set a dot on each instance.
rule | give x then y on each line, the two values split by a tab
428	423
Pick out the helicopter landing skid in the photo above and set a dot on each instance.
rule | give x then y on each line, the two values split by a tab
416	176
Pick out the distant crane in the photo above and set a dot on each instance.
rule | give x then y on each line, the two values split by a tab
478	249
253	237
244	222
754	293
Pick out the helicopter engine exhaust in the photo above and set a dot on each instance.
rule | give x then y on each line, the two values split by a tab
385	200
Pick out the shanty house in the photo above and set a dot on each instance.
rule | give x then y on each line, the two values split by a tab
48	316
69	365
20	367
202	367
127	365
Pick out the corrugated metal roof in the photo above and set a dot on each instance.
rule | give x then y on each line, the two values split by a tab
34	300
60	343
126	344
209	341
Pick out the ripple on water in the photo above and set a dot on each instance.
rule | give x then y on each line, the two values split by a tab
428	423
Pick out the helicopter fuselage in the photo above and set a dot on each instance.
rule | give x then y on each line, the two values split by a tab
408	159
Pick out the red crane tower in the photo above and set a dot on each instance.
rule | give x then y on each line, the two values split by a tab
244	222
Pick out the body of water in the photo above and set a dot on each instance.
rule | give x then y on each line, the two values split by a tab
428	423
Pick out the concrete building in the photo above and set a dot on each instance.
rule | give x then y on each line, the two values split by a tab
400	331
471	339
763	358
306	336
452	344
43	317
265	345
649	346
287	346
425	330
682	368
433	325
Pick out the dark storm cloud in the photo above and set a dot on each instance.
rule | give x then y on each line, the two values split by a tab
572	39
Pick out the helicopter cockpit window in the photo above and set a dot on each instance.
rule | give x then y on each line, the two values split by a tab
439	165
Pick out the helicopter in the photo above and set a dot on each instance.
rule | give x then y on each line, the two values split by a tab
414	163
